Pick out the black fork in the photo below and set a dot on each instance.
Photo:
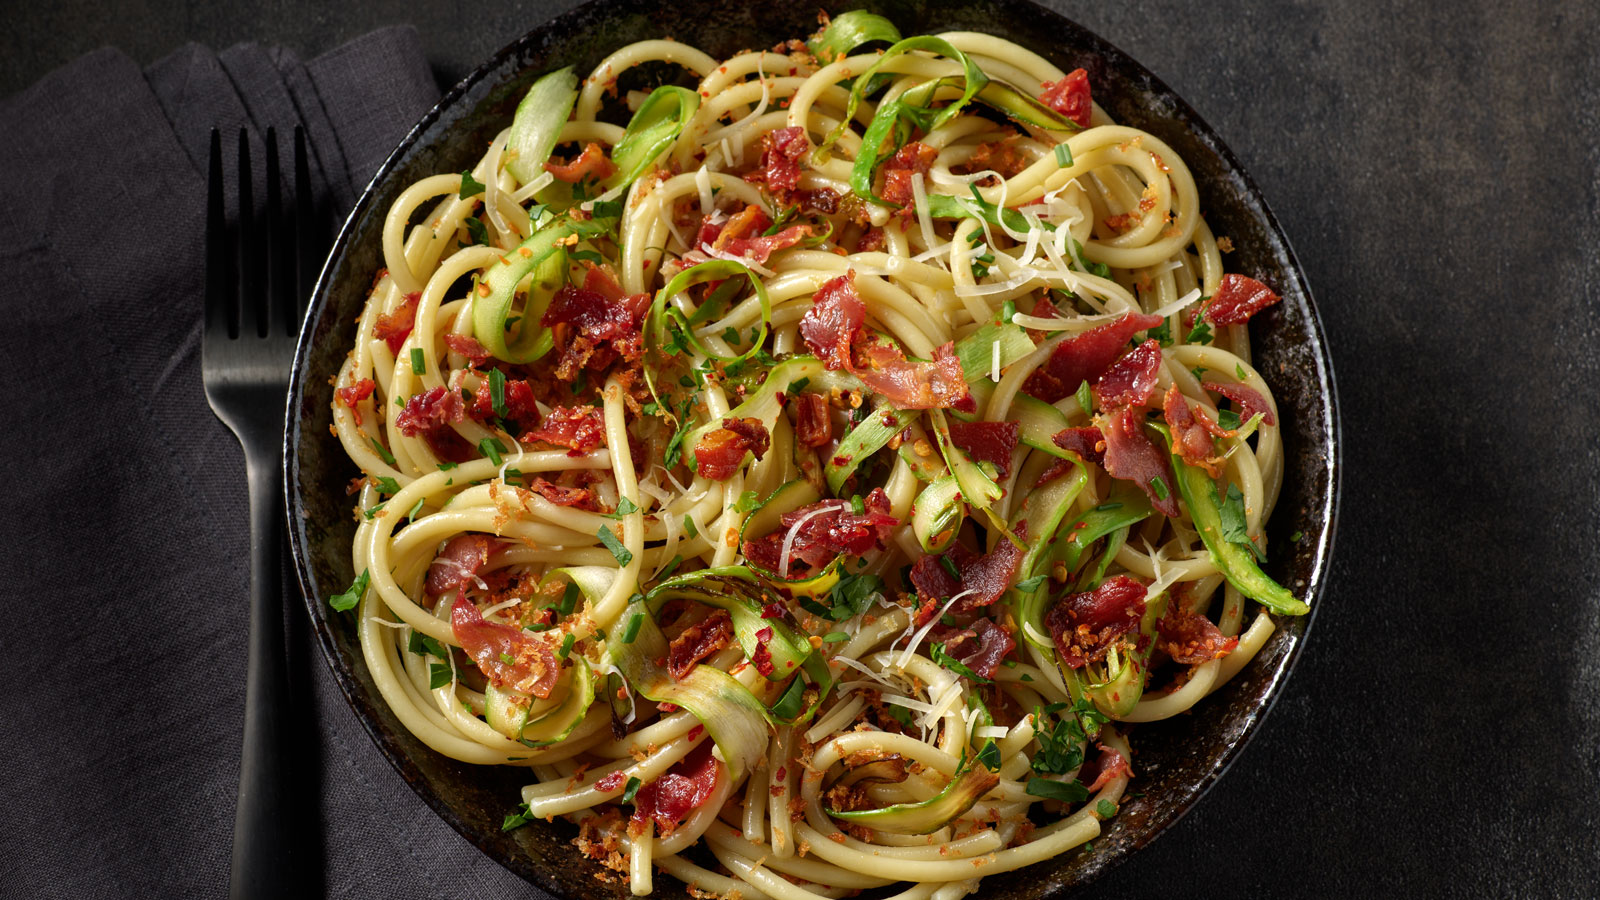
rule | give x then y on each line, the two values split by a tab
258	277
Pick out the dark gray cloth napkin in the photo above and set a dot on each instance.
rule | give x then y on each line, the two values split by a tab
124	498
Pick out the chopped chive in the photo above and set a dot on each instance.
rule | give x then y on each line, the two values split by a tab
497	393
950	566
447	466
1063	155
569	599
1159	485
1085	398
631	789
412	515
631	630
383	451
689	526
492	448
622	554
566	647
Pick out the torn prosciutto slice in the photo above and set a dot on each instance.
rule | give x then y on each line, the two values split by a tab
1085	357
512	659
1084	625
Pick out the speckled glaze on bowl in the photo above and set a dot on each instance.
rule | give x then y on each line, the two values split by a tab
1177	760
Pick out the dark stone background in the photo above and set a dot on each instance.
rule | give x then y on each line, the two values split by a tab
1435	166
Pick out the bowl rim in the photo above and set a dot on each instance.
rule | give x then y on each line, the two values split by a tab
1329	428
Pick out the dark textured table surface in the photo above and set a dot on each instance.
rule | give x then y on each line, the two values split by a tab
1436	167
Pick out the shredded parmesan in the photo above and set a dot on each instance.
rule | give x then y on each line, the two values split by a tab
922	632
702	180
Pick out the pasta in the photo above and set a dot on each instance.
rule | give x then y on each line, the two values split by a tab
790	479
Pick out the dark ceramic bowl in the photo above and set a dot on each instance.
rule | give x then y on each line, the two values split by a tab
1177	760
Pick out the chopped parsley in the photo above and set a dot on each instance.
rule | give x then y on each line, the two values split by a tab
412	515
852	596
1162	333
631	789
949	566
1228	420
476	228
835	637
621	554
421	644
350	598
388	485
515	820
1200	333
625	507
440	675
470	187
679	434
1106	809
1085	398
747	501
989	755
1238	369
1061	745
372	511
1233	521
1032	584
731	335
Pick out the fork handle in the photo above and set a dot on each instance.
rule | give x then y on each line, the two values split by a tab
264	861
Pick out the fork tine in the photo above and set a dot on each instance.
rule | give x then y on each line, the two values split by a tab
280	246
304	226
252	265
222	303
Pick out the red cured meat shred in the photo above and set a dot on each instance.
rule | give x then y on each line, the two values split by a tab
1131	456
1084	625
575	497
1070	97
591	163
1191	638
468	346
697	642
825	535
519	406
987	575
354	394
781	150
580	428
603	324
1087	442
393	328
1250	402
458	563
612	782
835	316
1190	438
1131	379
720	453
913	159
813	425
991	442
980	646
687	785
533	668
1085	357
1107	765
1238	298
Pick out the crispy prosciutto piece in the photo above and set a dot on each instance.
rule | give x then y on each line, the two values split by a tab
990	442
602	324
457	564
742	237
1190	638
831	328
781	149
980	646
520	408
914	158
813	425
1131	456
1108	764
1131	379
1070	97
1238	298
930	384
429	415
1083	626
822	531
579	428
591	163
532	668
987	576
429	410
835	316
394	327
354	394
1190	438
671	798
1250	402
1085	357
468	346
697	642
574	497
1087	442
720	453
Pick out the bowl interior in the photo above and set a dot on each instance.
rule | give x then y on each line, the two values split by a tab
1177	760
